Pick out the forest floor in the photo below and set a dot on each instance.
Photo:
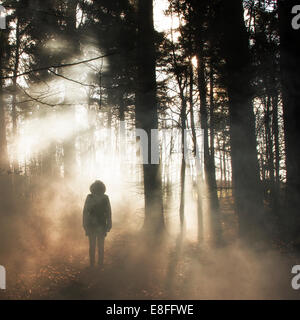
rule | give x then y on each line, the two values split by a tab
135	269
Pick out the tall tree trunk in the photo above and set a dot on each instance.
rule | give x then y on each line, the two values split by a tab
4	162
275	129
197	158
147	116
212	140
209	176
183	165
5	183
14	98
245	169
221	164
290	80
122	128
224	164
273	197
276	204
269	141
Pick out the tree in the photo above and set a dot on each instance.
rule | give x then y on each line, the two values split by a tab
245	170
146	113
4	163
264	39
194	42
290	70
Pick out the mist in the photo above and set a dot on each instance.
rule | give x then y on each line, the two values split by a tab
92	92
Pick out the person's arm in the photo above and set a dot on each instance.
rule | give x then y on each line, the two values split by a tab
86	209
109	220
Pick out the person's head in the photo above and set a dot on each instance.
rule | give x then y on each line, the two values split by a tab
98	187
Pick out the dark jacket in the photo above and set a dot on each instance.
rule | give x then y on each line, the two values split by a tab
93	222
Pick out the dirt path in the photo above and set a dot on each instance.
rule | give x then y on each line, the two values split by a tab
173	271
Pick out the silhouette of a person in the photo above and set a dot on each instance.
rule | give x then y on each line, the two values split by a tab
97	220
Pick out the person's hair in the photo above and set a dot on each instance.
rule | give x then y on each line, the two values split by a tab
98	187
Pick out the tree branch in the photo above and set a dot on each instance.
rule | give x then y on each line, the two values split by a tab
59	66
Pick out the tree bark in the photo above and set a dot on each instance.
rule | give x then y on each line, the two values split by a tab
5	183
147	114
209	175
275	129
183	166
245	170
212	140
4	163
197	158
14	99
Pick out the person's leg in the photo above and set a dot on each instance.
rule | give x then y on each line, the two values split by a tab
100	244
92	240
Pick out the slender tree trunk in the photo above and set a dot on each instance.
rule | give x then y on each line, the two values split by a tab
14	98
225	164
203	114
183	118
192	118
275	129
270	154
197	158
4	163
122	128
5	183
212	140
209	176
270	157
147	114
183	166
276	204
221	164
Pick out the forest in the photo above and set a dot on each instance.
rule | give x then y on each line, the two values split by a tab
187	111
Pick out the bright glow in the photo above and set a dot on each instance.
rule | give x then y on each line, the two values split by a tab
101	153
195	62
163	23
37	134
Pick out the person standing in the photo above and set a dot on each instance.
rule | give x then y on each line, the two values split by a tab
97	220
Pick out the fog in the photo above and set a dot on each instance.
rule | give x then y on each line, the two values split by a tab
69	124
45	252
